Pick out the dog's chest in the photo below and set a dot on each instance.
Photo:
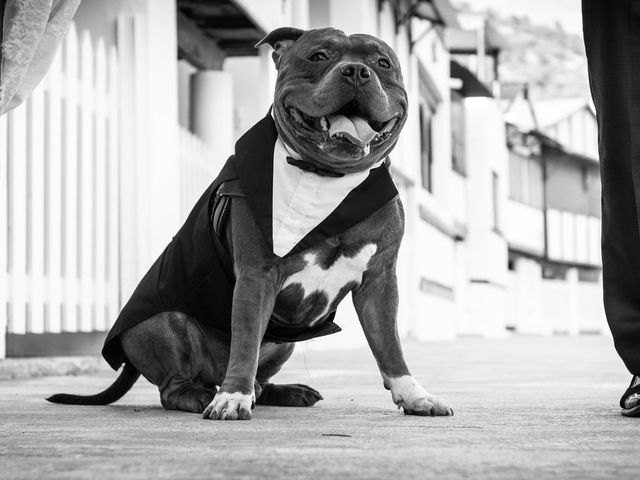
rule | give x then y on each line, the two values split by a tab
323	280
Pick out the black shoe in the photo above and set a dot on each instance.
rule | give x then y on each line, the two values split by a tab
630	401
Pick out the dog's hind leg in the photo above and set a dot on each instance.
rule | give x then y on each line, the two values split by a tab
170	351
272	357
188	396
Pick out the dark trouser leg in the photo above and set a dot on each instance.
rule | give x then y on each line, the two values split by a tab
612	40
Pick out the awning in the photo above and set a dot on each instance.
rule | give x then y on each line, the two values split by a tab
223	22
471	86
466	41
437	11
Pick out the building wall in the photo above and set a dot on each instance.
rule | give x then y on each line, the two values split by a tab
428	307
554	277
573	186
524	228
554	286
488	186
577	132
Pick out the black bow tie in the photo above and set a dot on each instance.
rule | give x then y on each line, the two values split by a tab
308	167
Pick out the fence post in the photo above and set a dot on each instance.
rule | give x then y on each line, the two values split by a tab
35	210
54	257
70	185
113	192
100	217
87	185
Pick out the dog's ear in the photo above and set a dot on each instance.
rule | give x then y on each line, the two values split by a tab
281	40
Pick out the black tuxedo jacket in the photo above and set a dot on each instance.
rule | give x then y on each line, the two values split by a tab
194	274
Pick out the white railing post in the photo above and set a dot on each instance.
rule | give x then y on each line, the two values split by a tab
99	285
35	211
54	193
113	191
70	178
87	186
17	219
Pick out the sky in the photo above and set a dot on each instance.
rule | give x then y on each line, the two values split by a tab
544	12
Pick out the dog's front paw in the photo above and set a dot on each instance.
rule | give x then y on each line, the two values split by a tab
229	406
415	400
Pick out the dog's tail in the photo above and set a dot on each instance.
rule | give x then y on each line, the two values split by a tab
115	391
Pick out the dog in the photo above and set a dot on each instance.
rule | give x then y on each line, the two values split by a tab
304	213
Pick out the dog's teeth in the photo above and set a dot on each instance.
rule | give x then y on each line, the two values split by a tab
367	149
296	115
324	124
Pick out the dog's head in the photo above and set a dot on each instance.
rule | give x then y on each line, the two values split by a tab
339	100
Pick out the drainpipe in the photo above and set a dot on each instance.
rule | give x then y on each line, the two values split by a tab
545	227
545	174
481	48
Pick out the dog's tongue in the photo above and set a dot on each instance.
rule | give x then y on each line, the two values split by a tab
355	129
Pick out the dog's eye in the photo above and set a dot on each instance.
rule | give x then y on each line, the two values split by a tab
318	57
384	63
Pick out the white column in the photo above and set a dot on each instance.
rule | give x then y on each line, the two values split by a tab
354	16
212	109
269	76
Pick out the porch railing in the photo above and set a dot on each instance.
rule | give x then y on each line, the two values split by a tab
59	198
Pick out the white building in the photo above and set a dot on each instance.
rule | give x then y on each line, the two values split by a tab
554	218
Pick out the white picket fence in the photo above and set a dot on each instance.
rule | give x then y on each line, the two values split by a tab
199	165
59	249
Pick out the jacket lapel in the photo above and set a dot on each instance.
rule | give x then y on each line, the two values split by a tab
254	165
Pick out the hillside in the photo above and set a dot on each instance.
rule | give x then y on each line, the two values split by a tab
549	58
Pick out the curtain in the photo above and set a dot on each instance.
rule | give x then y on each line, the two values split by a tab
31	32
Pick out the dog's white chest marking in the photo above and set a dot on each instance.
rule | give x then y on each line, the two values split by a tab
302	200
314	278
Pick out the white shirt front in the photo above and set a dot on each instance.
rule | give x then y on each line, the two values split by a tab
302	200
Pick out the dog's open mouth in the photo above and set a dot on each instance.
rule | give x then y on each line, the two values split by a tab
346	124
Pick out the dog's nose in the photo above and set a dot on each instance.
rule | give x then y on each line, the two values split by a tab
356	73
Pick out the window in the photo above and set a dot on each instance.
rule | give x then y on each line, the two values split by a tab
585	179
429	100
590	275
552	271
457	134
426	156
525	180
